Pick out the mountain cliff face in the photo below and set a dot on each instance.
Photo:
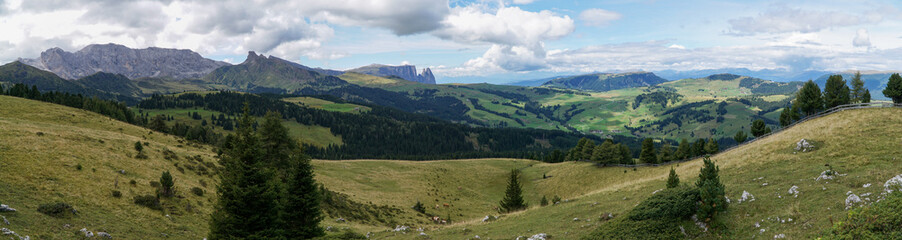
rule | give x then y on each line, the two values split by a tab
407	72
270	74
607	81
118	59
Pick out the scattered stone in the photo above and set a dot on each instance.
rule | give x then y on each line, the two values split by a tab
540	236
851	200
401	229
804	146
762	230
746	197
794	190
656	191
422	234
121	171
764	184
340	220
866	185
104	235
893	184
89	234
726	198
4	220
698	223
575	219
826	175
476	237
780	236
489	218
6	208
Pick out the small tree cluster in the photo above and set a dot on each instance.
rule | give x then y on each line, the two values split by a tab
759	128
607	152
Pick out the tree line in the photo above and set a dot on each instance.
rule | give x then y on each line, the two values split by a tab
811	100
112	109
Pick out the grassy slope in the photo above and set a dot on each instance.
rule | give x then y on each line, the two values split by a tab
307	134
327	105
40	169
595	191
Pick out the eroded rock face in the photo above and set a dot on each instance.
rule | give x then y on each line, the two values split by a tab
407	72
118	59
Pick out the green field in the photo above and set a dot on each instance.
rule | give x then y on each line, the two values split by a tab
42	144
327	105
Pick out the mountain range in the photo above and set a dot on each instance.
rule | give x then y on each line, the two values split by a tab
606	81
408	72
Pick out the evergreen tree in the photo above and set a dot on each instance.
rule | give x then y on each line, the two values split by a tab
795	113
587	150
786	117
711	191
513	197
684	150
666	153
893	88
544	201
607	152
673	180
139	147
759	128
158	123
247	206
836	92
740	137
626	156
648	155
166	184
866	97
712	147
810	99
857	94
699	148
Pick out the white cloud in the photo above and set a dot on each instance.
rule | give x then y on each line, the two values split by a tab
598	17
523	1
784	20
402	17
861	38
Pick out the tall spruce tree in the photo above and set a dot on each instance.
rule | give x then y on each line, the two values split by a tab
836	92
673	180
810	99
866	97
666	153
648	155
857	94
301	197
684	150
513	196
712	147
166	184
786	117
740	136
711	191
893	88
248	196
158	123
759	128
626	156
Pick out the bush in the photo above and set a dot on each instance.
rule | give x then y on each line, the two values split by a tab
671	203
149	201
166	184
881	220
117	194
556	199
155	184
197	191
544	201
419	207
57	210
133	182
78	167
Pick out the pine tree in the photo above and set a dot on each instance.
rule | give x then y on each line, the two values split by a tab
786	117
893	88
648	155
673	180
866	97
513	197
857	89
684	150
836	92
247	206
712	147
666	153
587	150
810	99
759	128
166	184
607	152
740	137
711	191
699	148
544	201
158	123
626	156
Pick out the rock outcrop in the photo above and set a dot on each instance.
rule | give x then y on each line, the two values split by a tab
407	72
118	59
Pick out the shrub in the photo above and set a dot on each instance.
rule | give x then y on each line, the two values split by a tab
57	210
133	182
155	184
881	220
117	194
78	167
556	199
419	207
197	191
166	184
670	203
544	201
149	201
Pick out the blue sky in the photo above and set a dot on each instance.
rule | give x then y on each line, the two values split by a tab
481	41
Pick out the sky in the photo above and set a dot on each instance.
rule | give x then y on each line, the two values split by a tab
480	40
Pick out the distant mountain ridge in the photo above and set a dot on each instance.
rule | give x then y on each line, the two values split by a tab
118	59
259	73
407	72
607	81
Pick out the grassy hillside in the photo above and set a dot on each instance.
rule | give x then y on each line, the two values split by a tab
42	146
607	81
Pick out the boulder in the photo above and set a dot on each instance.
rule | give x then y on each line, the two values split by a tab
6	208
794	190
893	184
746	197
804	146
104	235
540	236
851	200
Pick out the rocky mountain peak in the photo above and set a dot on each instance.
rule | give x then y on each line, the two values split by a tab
407	72
119	59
